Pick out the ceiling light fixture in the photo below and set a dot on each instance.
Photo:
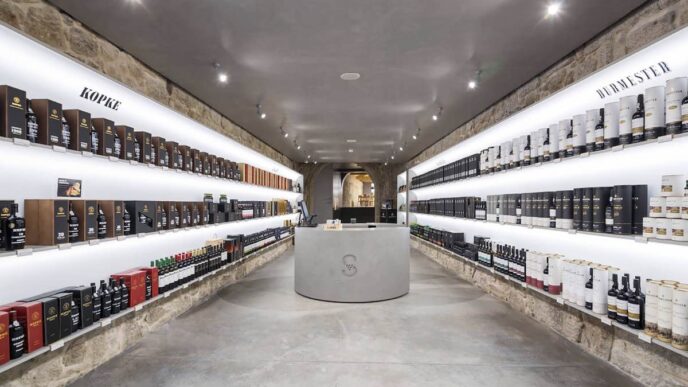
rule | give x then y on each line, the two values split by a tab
223	77
315	162
553	9
392	157
351	150
416	135
259	111
472	85
385	163
284	133
309	156
351	141
401	149
437	115
350	76
298	147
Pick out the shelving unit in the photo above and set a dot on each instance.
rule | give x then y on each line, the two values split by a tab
402	198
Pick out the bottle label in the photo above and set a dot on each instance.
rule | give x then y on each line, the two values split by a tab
684	113
638	126
621	307
599	136
634	312
609	221
588	295
611	304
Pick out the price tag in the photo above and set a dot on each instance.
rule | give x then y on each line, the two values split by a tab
618	148
186	285
584	154
560	300
133	162
121	237
105	322
642	336
151	165
86	154
138	307
640	239
164	168
59	149
22	142
572	231
57	345
606	320
165	295
556	160
113	159
524	285
94	242
24	252
664	138
141	234
64	246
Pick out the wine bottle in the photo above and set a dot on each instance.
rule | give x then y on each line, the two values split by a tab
546	156
17	337
117	149
96	302
137	150
75	316
73	224
622	301
611	297
124	290
526	152
66	133
609	213
599	132
545	276
636	306
569	141
106	300
116	296
94	140
126	222
14	230
31	123
149	286
638	121
102	223
588	292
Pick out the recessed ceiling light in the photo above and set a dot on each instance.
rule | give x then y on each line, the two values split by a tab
401	148
351	150
315	162
553	9
392	157
415	137
350	76
385	163
298	147
351	141
472	85
223	77
286	134
309	156
263	116
434	117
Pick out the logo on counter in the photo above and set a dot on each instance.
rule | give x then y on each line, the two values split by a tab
350	268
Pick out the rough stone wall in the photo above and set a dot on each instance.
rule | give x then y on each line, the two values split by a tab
650	364
645	25
84	354
45	22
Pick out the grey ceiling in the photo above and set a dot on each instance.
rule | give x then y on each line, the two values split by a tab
413	55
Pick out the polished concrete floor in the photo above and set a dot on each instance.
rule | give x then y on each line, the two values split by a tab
445	332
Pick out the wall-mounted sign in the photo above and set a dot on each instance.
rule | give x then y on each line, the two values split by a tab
632	80
68	188
100	99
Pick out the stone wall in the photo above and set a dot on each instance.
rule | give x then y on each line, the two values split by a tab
643	26
85	353
45	22
651	364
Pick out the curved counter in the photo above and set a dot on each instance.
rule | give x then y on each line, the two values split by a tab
355	264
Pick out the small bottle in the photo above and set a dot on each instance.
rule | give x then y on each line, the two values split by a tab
622	301
149	286
569	141
75	316
588	292
552	214
137	150
14	230
16	335
94	140
117	149
126	222
638	121
611	297
105	300
546	156
498	160
31	123
73	225
102	223
66	133
636	306
116	297
526	153
124	290
545	277
163	218
609	214
599	132
96	302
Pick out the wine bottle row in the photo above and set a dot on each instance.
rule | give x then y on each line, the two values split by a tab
602	289
43	121
53	221
658	111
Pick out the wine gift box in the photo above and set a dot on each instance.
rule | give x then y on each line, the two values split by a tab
113	210
158	217
214	166
136	282
83	297
187	158
195	213
4	337
30	316
46	221
205	162
184	214
12	112
51	319
80	129
87	212
126	138
161	156
49	115
106	135
64	301
153	273
197	163
142	216
172	214
173	155
222	168
144	139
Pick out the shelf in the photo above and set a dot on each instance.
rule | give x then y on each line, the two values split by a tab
132	163
102	323
635	238
603	318
32	250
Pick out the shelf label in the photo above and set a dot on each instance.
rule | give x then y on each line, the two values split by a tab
618	148
664	138
113	159
572	231
556	160
560	300
186	285
138	307
141	234
133	162
86	154
22	142
57	345
642	336
24	252
105	322
94	242
121	237
64	246
606	320
640	239
584	154
151	165
59	149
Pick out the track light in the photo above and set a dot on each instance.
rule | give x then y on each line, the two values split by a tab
437	115
385	163
315	162
416	135
553	9
298	147
392	157
261	114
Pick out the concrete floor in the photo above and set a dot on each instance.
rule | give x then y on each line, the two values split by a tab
445	332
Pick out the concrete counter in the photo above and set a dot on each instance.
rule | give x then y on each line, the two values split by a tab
355	264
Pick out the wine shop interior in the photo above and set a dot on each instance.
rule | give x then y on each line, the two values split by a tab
344	193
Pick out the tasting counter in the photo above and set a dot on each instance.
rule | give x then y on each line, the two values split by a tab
354	264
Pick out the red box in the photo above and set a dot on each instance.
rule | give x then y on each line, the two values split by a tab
153	271
4	337
30	316
136	282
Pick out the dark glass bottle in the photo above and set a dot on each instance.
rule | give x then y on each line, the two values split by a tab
14	230
163	218
569	141
75	316
588	292
498	160
124	290
126	222
153	159
545	277
546	156
622	301
106	300
552	213
94	140
73	224
599	132
102	223
137	150
638	121
116	296
526	153
117	149
16	335
66	133
31	123
609	213
611	297
96	302
636	306
149	286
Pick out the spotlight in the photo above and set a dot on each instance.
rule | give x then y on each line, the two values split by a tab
223	77
392	157
472	85
351	150
553	9
309	156
401	149
298	147
315	162
416	135
437	115
434	117
385	163
261	114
